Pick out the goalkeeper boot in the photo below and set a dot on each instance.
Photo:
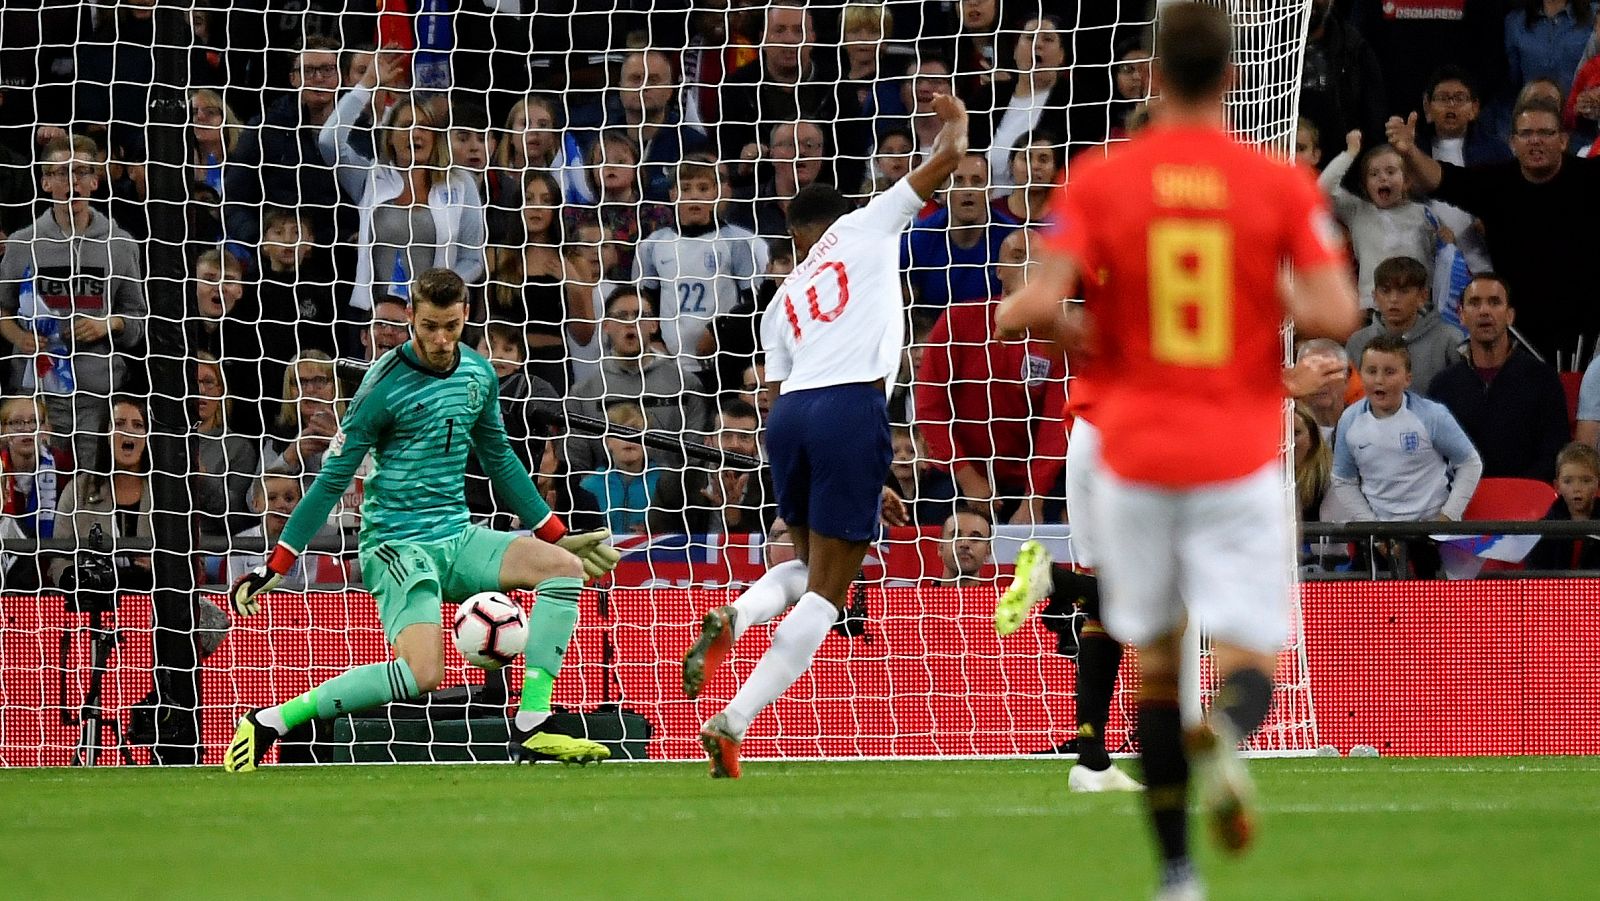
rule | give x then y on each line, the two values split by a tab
548	742
1082	779
721	746
708	651
251	741
1030	584
1226	793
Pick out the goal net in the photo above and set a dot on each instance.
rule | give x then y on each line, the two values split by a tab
215	216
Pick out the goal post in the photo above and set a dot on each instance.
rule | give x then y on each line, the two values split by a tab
240	237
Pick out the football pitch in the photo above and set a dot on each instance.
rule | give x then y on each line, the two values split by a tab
969	829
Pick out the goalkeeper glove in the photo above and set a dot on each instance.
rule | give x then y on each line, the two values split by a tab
245	595
598	557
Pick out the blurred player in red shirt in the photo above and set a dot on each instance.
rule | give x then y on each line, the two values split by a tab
1181	236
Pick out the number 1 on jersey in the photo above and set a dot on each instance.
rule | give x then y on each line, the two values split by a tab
1191	292
814	299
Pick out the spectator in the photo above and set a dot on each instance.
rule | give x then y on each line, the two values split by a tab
1328	403
415	213
276	494
574	504
1412	42
865	25
1384	221
504	346
634	369
213	137
1520	204
618	207
1510	405
528	285
592	274
1450	131
965	548
1307	145
1035	99
1038	165
226	323
277	159
70	299
792	161
1313	466
1545	39
1401	291
626	486
532	139
755	390
30	485
645	107
980	60
1588	424
991	410
112	494
929	494
787	84
308	416
725	499
700	269
925	79
223	463
1577	480
949	256
295	293
891	161
472	151
1341	83
1398	456
1580	114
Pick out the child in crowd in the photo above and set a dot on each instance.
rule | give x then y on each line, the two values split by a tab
1400	291
929	493
626	490
1384	221
1399	457
1307	145
296	293
275	493
1577	481
699	269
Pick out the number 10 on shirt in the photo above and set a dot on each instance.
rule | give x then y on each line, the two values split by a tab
814	301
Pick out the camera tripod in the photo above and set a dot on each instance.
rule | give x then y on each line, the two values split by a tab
91	719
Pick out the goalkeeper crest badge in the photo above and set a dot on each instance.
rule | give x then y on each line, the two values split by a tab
474	396
335	444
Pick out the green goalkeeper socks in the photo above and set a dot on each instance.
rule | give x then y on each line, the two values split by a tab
349	692
555	615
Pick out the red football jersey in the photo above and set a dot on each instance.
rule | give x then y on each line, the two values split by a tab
1181	235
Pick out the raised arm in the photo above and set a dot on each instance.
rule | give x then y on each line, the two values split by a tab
1425	170
949	146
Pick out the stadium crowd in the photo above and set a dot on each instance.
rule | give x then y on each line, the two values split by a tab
613	186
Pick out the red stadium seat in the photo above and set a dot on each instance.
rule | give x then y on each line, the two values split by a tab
1507	498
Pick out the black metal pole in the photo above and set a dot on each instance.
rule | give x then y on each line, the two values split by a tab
177	677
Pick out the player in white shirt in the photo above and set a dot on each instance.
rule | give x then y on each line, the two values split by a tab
833	336
697	270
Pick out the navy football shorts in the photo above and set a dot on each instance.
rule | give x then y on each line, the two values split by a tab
830	453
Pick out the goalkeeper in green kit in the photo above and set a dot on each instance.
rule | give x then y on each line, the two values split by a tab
420	410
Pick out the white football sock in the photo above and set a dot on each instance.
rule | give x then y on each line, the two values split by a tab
272	718
793	644
772	594
530	719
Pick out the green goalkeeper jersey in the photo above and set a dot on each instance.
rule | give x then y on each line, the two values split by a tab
419	424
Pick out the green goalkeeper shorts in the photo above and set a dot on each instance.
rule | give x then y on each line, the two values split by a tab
412	580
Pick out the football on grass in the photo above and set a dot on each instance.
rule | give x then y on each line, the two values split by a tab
490	630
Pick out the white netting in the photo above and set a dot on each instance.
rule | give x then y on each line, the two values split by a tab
199	283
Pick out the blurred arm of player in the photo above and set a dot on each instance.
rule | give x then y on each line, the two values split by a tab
1041	306
949	146
1322	301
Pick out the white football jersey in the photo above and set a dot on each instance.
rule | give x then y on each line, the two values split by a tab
838	318
699	278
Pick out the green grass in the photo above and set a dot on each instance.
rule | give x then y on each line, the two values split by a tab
1336	829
